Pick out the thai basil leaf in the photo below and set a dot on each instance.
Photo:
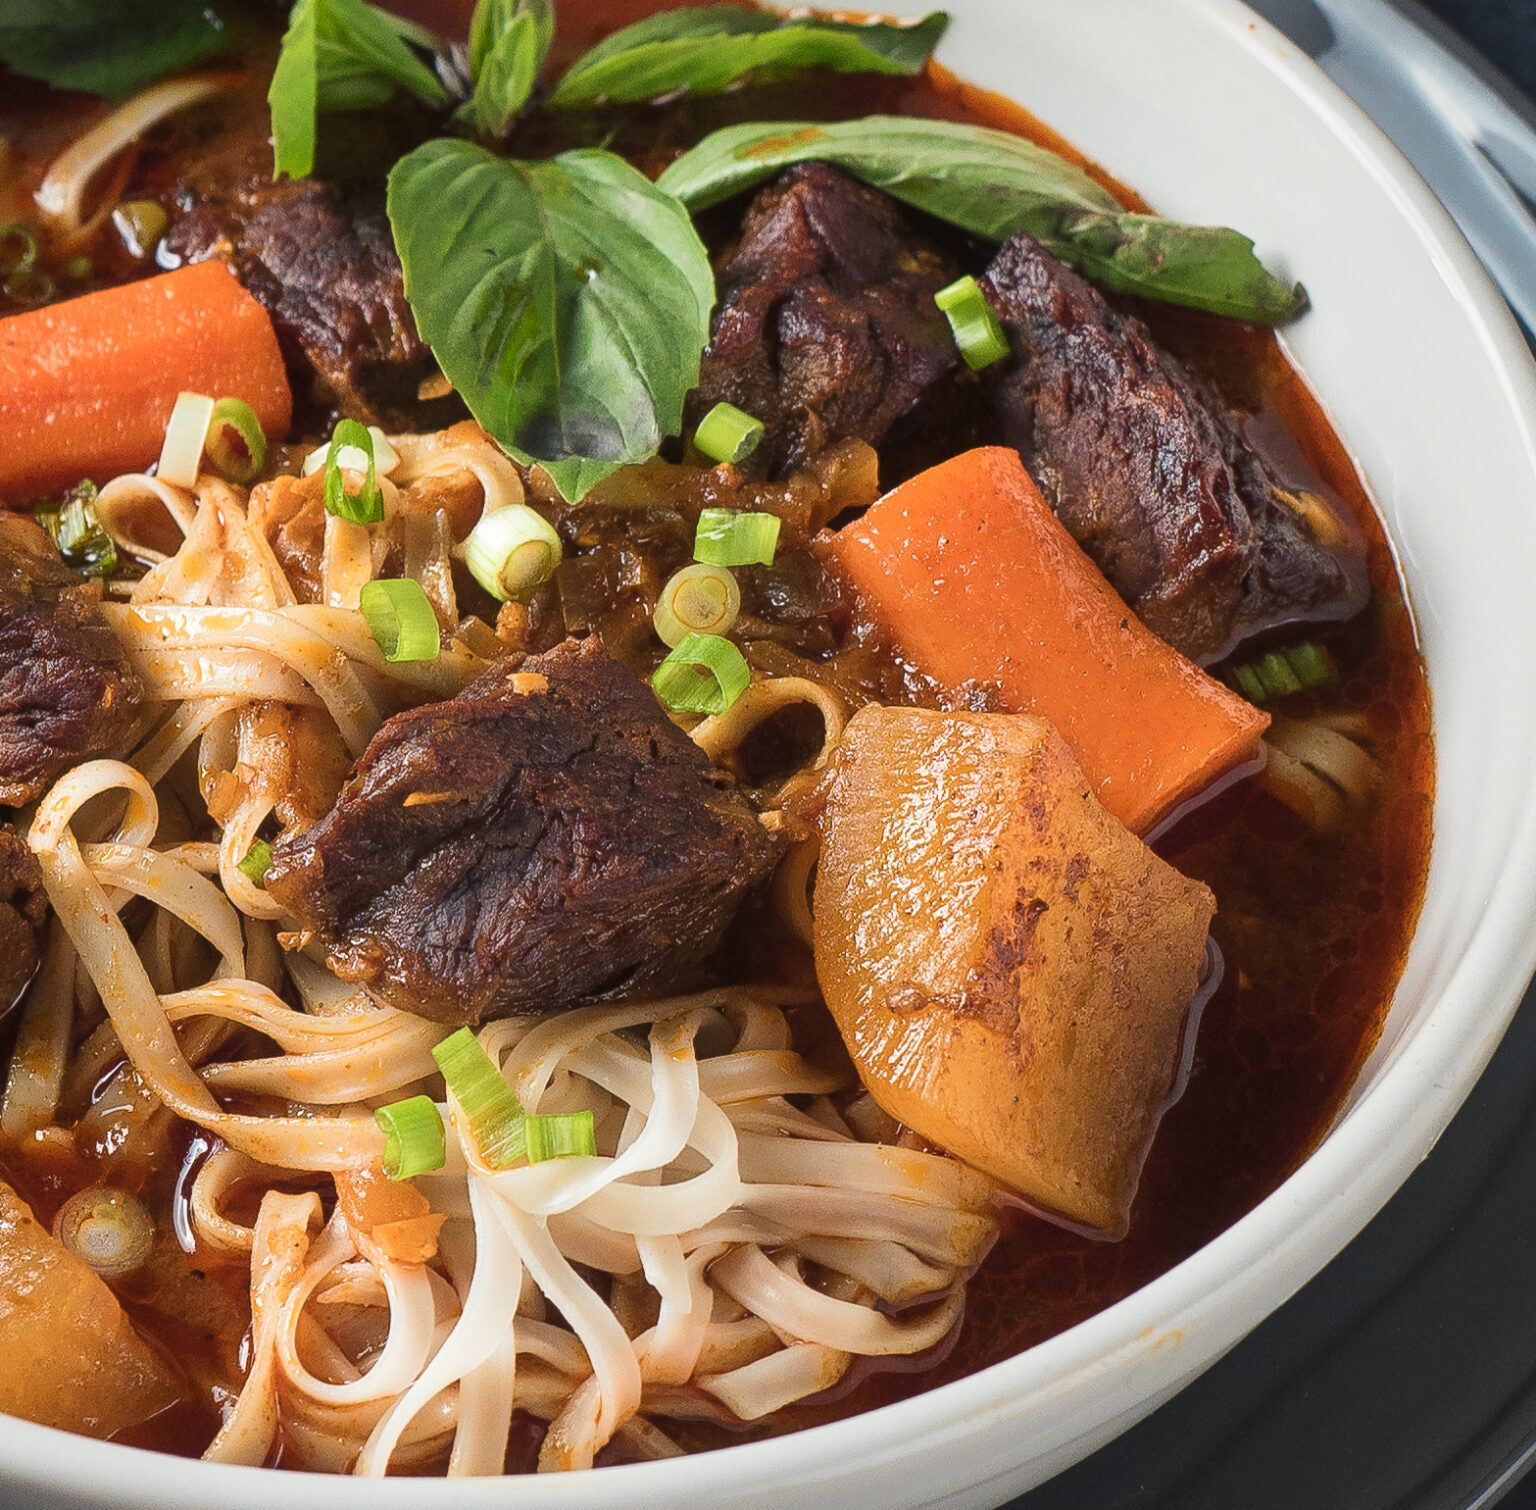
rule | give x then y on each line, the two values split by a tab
994	184
508	43
108	47
339	55
567	300
709	48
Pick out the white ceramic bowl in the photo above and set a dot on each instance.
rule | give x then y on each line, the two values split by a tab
1213	116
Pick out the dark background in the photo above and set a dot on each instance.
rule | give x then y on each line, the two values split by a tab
1504	30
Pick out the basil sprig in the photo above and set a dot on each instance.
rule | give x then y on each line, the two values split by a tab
706	49
108	47
508	43
567	300
994	184
340	55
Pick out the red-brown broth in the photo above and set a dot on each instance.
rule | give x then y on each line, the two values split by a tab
1313	927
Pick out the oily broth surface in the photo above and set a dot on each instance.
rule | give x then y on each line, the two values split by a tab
1314	928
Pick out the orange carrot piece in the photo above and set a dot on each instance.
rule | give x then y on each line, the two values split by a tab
978	581
87	386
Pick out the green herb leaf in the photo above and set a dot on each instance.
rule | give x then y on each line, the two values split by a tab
508	43
707	49
108	47
995	184
567	301
339	55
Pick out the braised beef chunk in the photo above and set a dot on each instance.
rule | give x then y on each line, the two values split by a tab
23	906
826	328
67	692
1150	473
543	839
330	279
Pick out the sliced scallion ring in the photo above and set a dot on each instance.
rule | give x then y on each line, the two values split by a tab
236	444
699	599
976	329
18	250
366	506
413	1137
705	674
400	619
257	862
727	433
385	457
495	1118
559	1135
181	457
512	551
732	537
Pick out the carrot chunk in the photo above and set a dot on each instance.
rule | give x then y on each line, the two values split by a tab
87	386
979	582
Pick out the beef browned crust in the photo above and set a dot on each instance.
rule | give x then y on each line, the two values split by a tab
546	838
1150	473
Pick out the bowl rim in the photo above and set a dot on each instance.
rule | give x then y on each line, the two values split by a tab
1376	1142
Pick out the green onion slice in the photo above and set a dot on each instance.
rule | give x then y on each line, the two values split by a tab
495	1119
727	433
182	454
237	445
559	1135
366	506
510	552
705	674
729	537
18	250
1295	669
385	457
699	599
74	528
414	1142
400	619
140	223
31	287
257	862
79	268
976	329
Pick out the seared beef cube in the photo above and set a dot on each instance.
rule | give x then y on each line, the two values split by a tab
67	692
827	328
331	281
545	838
1150	473
23	906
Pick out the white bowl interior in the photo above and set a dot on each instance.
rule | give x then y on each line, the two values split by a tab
1212	116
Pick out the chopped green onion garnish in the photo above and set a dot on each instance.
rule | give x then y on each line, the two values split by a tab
1280	672
237	445
141	223
400	619
726	433
182	454
510	552
385	457
72	525
699	599
366	506
976	329
413	1137
559	1135
257	862
1312	664
705	674
79	268
18	250
728	537
31	287
495	1118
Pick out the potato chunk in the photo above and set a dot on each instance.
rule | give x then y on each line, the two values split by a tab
1011	969
72	1358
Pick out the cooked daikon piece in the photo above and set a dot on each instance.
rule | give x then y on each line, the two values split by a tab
1010	968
